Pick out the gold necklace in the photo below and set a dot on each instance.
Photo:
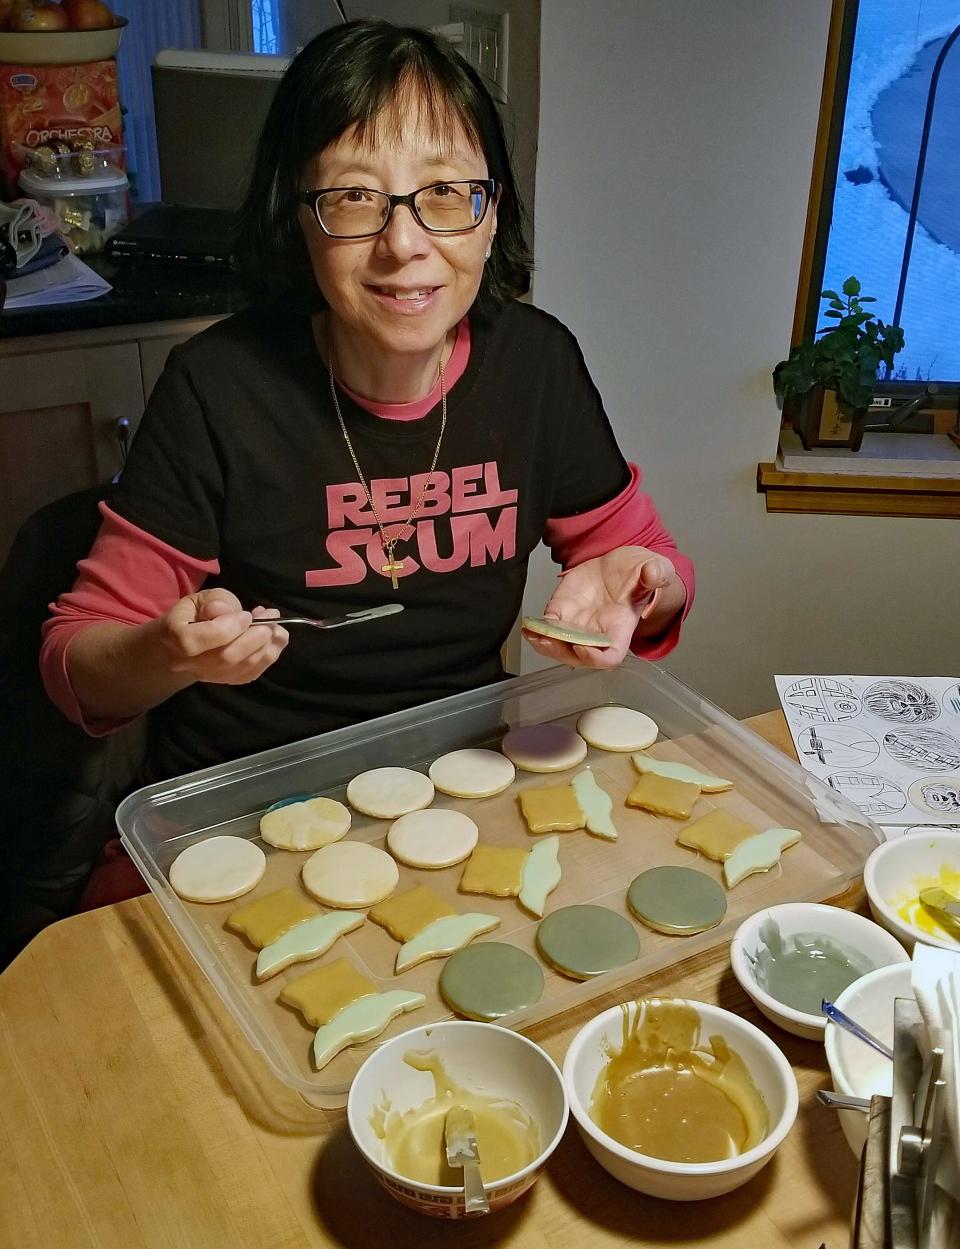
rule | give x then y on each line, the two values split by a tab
393	565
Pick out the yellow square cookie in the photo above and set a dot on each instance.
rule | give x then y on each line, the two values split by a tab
406	914
269	917
664	796
496	870
552	809
323	993
716	834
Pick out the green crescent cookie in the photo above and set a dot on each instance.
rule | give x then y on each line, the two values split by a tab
564	633
306	940
585	941
596	805
677	900
757	854
490	980
360	1021
541	875
681	772
442	937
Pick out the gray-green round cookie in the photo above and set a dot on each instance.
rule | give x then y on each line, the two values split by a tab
585	941
677	900
490	980
565	633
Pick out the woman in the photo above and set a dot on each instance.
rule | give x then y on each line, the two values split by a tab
385	424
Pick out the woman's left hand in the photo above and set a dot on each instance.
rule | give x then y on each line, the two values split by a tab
629	588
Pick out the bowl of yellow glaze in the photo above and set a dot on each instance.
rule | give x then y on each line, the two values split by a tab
400	1096
677	1098
895	873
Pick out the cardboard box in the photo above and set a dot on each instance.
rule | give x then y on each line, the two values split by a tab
40	104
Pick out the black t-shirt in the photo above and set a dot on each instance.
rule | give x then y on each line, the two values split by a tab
240	459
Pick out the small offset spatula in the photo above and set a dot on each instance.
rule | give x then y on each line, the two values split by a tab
943	906
460	1139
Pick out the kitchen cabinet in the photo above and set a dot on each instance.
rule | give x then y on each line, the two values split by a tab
61	398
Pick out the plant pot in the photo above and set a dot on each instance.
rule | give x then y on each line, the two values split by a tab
818	422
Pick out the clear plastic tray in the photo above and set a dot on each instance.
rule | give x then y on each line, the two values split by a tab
157	822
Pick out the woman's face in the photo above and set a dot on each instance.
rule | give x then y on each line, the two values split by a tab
400	291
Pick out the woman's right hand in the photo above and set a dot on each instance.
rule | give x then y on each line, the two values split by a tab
210	637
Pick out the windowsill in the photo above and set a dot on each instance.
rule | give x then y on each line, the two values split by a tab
891	475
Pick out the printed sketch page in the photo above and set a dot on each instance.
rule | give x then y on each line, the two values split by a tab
889	744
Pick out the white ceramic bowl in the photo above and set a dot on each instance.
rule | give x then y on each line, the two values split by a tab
481	1057
893	869
681	1181
855	932
60	47
857	1069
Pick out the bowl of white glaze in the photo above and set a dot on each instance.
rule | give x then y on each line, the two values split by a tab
895	873
681	1181
844	929
856	1068
480	1057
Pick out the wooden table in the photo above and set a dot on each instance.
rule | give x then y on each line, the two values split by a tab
133	1114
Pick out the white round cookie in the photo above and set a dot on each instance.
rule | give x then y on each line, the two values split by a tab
432	839
472	773
617	728
217	869
388	793
305	825
350	874
544	748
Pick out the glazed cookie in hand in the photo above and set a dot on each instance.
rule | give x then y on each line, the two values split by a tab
217	869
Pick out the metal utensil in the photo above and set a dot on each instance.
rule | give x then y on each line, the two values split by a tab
842	1101
336	622
943	906
837	1016
460	1140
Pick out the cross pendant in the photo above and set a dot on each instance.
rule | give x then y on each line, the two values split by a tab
392	566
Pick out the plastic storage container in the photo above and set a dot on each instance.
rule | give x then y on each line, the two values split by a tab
91	207
157	822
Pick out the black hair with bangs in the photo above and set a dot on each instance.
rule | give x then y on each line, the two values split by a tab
342	78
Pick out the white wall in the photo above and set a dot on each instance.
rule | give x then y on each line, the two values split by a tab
676	141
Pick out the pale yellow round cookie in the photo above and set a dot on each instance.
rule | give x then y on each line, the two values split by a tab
217	869
544	748
617	728
432	839
472	773
305	825
350	874
388	793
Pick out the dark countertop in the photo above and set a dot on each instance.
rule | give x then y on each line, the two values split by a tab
140	294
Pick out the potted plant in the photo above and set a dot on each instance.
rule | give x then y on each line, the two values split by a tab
827	385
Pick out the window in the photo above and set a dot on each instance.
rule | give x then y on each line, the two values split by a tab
266	27
891	184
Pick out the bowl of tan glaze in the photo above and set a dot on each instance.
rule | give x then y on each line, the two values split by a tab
789	958
399	1098
677	1098
857	1069
895	873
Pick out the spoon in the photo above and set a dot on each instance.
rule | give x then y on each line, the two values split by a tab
837	1016
943	906
842	1101
335	622
460	1140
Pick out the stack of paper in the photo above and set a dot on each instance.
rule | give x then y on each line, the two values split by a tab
69	281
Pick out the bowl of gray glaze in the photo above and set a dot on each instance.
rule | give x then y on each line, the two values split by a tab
788	958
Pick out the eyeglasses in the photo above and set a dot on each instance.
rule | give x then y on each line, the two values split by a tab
356	212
